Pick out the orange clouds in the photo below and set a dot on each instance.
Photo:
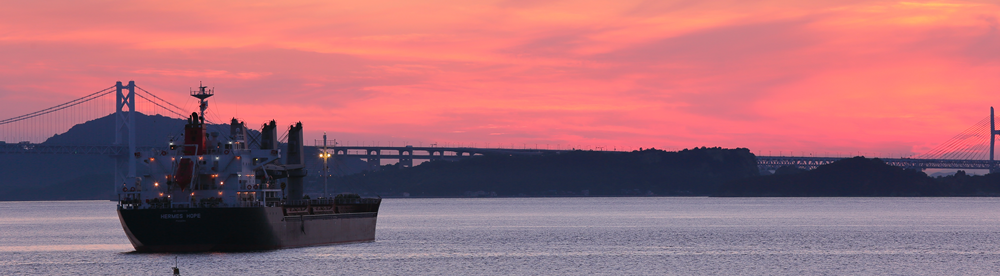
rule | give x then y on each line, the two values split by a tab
873	76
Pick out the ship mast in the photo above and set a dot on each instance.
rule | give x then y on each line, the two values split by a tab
326	169
202	94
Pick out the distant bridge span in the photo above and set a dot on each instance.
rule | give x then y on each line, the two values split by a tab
405	155
775	162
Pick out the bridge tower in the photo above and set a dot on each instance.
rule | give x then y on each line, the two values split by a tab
126	119
993	134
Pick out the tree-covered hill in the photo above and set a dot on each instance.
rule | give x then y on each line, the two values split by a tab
648	172
861	176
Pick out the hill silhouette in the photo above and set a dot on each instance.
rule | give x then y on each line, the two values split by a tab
648	172
150	130
861	176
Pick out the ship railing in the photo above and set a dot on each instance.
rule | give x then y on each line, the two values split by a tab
357	200
159	205
250	204
210	202
129	200
332	201
296	202
131	204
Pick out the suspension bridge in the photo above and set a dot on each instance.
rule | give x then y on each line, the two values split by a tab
33	133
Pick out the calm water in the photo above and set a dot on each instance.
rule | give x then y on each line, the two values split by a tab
573	236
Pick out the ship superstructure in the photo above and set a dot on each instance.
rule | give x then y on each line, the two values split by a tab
209	191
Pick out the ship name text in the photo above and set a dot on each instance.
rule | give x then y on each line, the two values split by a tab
180	216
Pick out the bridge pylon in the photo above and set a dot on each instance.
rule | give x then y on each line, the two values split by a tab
125	120
993	134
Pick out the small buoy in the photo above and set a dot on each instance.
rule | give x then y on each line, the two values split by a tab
163	153
177	271
227	152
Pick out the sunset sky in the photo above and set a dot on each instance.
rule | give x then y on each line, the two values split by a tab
883	78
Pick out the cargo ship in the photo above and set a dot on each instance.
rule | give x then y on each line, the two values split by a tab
207	191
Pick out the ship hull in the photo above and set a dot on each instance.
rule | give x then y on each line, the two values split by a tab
240	229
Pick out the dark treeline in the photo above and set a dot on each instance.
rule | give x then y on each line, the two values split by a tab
648	172
861	176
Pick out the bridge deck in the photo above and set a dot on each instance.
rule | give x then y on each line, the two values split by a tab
454	153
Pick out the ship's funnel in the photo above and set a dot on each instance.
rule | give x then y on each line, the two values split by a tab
296	162
269	136
235	129
295	147
194	135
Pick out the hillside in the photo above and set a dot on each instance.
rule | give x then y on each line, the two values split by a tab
861	176
647	172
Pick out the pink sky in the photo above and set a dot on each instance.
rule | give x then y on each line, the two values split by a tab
877	77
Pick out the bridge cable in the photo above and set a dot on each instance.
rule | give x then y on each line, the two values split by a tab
164	108
958	140
50	110
977	147
57	107
158	98
167	102
952	144
957	145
